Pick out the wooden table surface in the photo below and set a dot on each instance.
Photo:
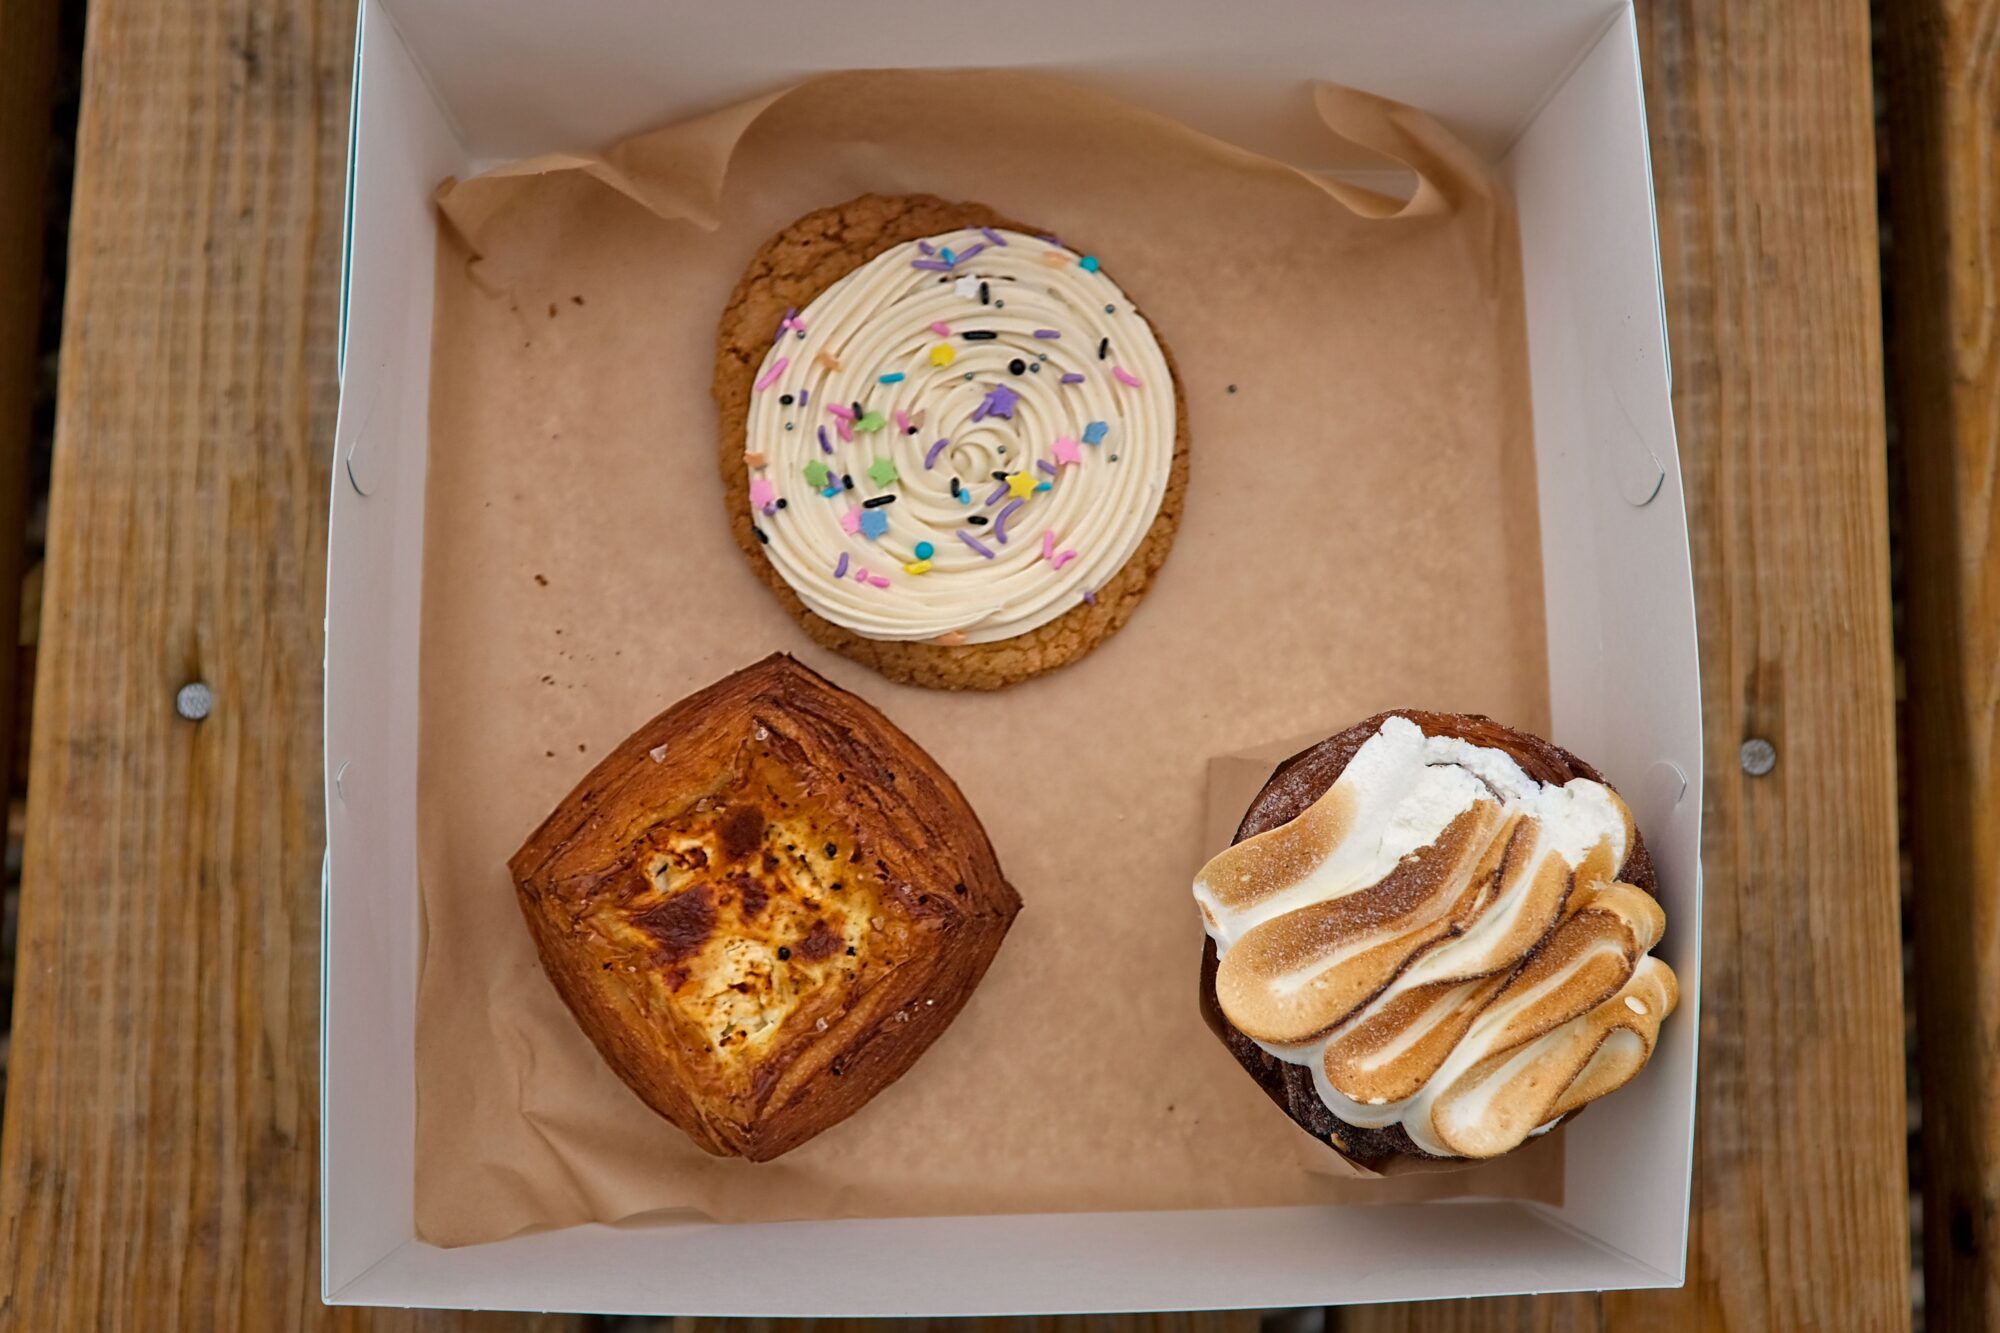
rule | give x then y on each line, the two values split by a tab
160	1154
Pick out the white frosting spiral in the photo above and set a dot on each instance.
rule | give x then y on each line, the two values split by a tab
1087	458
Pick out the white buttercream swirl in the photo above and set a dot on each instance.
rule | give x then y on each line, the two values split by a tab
1107	483
1444	942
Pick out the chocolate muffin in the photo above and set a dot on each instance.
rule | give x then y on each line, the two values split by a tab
1431	938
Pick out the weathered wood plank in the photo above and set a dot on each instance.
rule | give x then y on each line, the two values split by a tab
1940	62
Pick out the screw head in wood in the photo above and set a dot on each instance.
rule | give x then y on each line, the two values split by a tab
1758	756
194	701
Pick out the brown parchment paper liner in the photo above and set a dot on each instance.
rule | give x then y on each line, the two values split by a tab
1361	531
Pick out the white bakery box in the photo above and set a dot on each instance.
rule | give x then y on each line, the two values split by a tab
1548	90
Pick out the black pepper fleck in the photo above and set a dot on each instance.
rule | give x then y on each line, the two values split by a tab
833	849
783	953
1232	388
1017	367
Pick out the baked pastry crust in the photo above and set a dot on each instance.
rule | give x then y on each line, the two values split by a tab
1293	787
763	906
792	269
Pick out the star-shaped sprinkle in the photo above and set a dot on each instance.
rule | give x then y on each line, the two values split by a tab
873	523
882	472
998	402
871	423
1020	485
1094	433
967	287
817	474
763	495
754	458
943	354
850	522
1065	451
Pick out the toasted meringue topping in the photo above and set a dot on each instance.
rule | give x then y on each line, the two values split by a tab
1444	941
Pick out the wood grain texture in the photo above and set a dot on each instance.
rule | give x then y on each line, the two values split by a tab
161	1148
27	63
1764	158
1941	61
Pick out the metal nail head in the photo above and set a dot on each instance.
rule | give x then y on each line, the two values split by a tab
1759	756
194	701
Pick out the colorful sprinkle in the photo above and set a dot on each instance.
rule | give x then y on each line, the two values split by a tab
931	454
1046	466
785	323
902	421
840	570
950	639
893	377
871	423
1020	485
826	360
877	581
1125	377
1000	519
947	256
882	472
992	236
805	397
998	402
844	413
1090	596
998	491
974	543
763	495
754	458
1046	486
970	251
1065	451
917	567
1072	377
873	524
1088	263
850	522
860	574
964	497
846	431
770	377
940	328
1095	432
825	445
967	288
925	550
931	265
926	247
831	490
1062	558
1048	543
1048	333
1055	259
943	354
818	474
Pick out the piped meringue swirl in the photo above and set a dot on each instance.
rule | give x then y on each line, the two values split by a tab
960	440
1444	942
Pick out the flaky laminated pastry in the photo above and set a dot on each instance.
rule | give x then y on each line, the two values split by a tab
763	907
1432	938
